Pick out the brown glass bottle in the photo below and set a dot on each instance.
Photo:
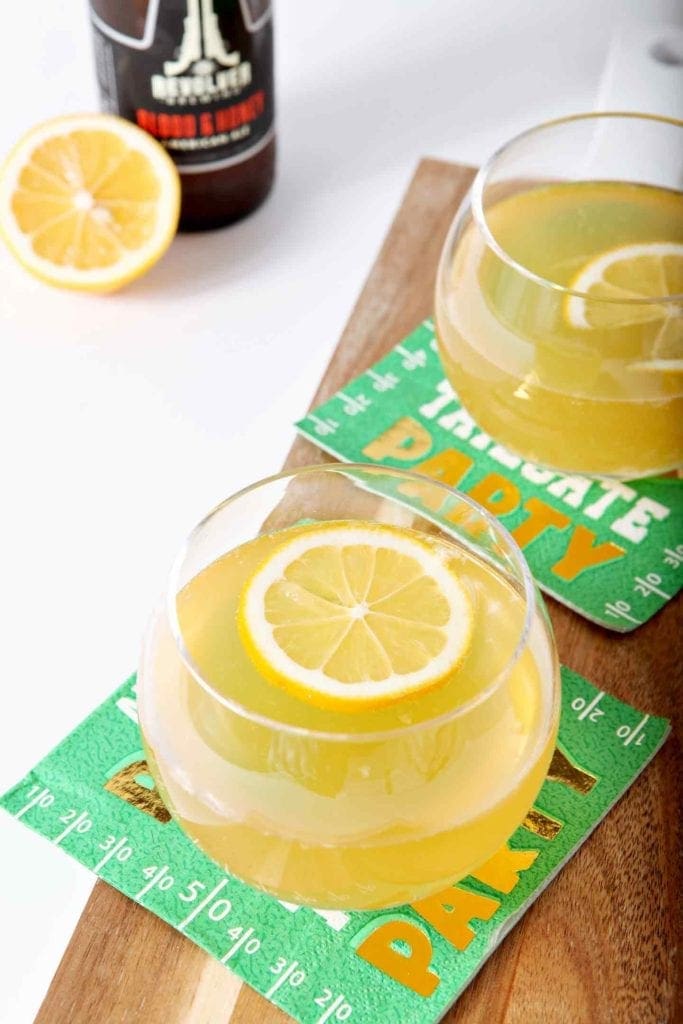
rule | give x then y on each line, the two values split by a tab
198	76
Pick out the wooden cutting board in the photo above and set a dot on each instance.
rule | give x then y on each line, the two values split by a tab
600	944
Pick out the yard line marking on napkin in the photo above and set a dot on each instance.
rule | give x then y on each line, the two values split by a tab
44	798
81	824
623	730
156	879
284	976
112	853
200	906
593	704
238	944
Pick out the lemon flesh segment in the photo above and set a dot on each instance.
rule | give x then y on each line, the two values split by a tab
88	202
355	616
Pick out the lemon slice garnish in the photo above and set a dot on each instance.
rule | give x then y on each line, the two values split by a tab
640	271
355	616
88	202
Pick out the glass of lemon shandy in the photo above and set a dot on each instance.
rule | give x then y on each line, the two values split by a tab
559	299
349	697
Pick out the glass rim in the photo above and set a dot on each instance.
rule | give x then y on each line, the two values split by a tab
529	593
476	198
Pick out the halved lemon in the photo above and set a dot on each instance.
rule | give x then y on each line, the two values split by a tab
88	201
355	615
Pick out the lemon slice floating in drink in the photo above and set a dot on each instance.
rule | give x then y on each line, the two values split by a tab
352	616
634	272
88	202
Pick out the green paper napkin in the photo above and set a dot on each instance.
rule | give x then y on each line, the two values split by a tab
92	797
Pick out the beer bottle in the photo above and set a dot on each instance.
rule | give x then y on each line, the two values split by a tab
198	76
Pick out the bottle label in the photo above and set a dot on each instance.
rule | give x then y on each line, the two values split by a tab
195	74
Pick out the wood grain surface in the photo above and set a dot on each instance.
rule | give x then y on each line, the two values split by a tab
600	945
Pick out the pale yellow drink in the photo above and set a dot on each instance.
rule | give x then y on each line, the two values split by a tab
350	809
592	384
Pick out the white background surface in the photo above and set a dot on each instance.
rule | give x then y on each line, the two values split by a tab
123	419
